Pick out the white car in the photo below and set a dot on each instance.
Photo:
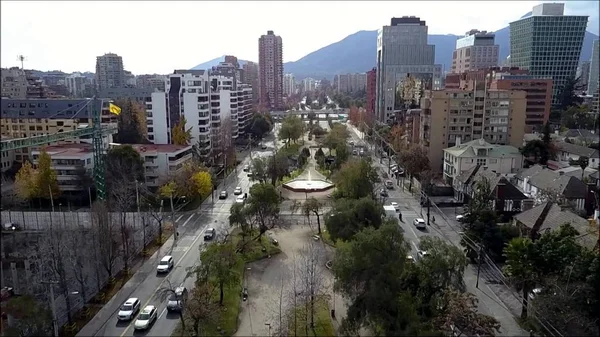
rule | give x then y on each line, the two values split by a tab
237	191
462	217
422	254
145	318
419	223
165	265
129	309
396	206
240	199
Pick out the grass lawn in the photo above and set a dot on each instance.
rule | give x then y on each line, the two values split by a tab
323	325
253	251
293	175
290	149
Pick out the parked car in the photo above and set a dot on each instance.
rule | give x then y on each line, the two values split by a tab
240	199
389	184
209	234
396	206
176	299
129	309
246	168
165	265
223	195
462	217
146	318
422	253
237	191
354	152
419	223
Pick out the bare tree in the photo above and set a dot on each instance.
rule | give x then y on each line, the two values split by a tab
200	309
123	199
169	291
104	235
78	259
312	280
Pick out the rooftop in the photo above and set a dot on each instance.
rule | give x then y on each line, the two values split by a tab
159	148
577	149
470	149
68	150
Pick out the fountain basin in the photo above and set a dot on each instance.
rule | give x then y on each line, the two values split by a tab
301	185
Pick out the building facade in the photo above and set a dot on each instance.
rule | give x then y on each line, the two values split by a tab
371	86
270	75
583	75
135	94
594	70
404	59
14	83
476	50
453	116
548	44
289	85
77	84
109	72
150	82
250	76
350	83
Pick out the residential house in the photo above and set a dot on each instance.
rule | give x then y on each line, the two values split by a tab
506	198
541	183
580	136
502	159
576	171
550	216
595	179
568	152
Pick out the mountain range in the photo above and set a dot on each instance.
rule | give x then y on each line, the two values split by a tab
356	53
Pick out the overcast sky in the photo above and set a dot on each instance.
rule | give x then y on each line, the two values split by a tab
159	36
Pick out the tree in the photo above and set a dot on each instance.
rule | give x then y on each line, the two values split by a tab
312	280
350	216
368	271
168	190
220	261
26	182
312	205
397	138
414	161
106	244
460	316
169	292
520	261
336	138
443	266
30	318
124	165
292	128
263	206
131	123
583	163
568	96
355	180
259	167
312	116
237	217
200	309
277	167
202	183
46	177
179	134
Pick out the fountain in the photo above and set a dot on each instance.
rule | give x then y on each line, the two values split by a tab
310	180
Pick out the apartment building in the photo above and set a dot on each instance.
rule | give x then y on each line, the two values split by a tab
14	83
453	116
162	161
150	82
140	95
593	83
548	44
348	83
250	76
76	84
503	159
309	84
36	117
215	106
7	157
70	162
289	85
371	85
476	50
109	72
270	75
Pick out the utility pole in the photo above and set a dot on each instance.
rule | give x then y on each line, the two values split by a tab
52	306
173	220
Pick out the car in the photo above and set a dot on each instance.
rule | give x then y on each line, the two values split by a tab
129	309
396	206
176	299
237	191
422	253
240	199
11	226
419	223
462	217
383	193
209	234
223	195
165	265
354	152
145	318
246	168
264	147
351	143
389	184
410	258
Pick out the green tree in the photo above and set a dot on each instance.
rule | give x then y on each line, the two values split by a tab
277	167
26	182
131	123
368	271
336	138
31	318
259	125
219	261
355	180
263	206
238	218
259	169
568	96
539	150
292	128
349	217
47	183
341	156
179	134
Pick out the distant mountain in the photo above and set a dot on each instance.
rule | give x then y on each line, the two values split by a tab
215	62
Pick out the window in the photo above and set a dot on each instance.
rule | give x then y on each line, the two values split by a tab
481	161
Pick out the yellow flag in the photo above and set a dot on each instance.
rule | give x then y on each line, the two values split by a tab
114	109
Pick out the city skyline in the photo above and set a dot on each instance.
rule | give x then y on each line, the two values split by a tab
52	52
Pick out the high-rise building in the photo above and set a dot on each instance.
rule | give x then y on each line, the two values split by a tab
349	83
250	76
453	116
583	75
109	72
76	84
289	85
151	82
476	50
270	76
594	69
548	44
405	65
371	84
14	83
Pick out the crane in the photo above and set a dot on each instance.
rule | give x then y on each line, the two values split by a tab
97	131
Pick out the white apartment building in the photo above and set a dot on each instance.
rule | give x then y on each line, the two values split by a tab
310	84
209	102
289	85
502	159
350	82
67	162
162	161
76	84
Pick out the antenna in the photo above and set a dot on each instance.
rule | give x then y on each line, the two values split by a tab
21	58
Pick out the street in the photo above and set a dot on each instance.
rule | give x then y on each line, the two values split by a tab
146	285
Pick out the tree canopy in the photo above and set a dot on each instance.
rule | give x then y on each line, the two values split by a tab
131	123
355	180
350	216
179	134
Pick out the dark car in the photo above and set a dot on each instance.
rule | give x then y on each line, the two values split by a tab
223	195
209	234
264	147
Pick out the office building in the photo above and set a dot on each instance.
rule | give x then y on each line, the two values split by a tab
594	70
289	85
270	75
548	44
250	76
350	83
371	84
454	116
476	50
36	117
583	75
14	83
109	72
405	66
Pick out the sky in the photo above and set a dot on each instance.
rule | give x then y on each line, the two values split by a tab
160	36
